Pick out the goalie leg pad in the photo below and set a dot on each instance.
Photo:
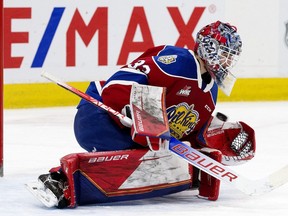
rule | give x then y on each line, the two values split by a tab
209	186
123	175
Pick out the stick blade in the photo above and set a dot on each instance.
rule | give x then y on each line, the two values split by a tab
277	179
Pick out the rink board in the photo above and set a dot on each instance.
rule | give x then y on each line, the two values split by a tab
39	95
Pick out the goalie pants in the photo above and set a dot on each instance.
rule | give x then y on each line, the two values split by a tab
95	130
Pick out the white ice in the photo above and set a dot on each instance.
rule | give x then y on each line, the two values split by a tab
35	140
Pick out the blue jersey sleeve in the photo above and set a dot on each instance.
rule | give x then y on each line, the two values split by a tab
184	62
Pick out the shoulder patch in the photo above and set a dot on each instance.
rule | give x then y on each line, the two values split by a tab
168	59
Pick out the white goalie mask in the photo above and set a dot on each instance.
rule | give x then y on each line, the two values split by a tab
219	46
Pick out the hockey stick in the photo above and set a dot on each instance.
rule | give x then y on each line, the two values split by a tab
196	158
87	97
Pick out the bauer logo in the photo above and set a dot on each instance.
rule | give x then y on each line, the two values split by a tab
200	160
108	158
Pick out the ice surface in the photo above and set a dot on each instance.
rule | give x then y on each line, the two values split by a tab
35	140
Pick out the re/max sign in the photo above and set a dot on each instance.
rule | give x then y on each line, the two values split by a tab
96	26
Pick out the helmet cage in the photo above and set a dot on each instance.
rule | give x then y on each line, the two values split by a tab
227	57
219	46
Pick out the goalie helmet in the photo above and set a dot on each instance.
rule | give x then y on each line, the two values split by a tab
219	46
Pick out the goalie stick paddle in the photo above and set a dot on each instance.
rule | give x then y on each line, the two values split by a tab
196	158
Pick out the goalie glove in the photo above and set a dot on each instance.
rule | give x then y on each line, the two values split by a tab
235	140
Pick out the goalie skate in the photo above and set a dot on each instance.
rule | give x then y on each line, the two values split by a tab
43	194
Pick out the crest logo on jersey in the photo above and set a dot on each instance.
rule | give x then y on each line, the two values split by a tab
182	119
184	91
167	59
286	34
